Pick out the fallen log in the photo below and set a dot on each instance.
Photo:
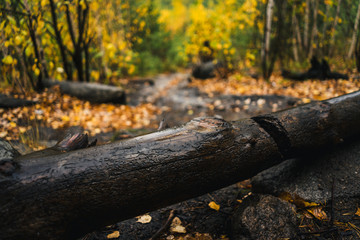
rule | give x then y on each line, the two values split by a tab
92	92
67	195
316	71
11	102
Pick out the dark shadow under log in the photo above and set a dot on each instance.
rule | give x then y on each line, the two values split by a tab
67	195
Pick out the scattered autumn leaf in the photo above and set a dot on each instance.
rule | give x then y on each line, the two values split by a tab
146	218
176	226
297	200
214	206
61	111
318	213
305	90
357	212
115	234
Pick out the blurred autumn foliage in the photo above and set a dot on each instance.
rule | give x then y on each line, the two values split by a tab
103	40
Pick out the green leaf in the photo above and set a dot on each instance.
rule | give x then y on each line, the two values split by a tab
11	20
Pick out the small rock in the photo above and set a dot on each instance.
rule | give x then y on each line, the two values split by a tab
264	217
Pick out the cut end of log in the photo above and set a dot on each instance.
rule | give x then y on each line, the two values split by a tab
73	142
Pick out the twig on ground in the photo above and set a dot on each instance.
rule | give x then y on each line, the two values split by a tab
165	226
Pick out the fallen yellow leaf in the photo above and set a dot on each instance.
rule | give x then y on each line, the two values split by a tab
115	234
357	212
176	226
146	218
65	118
214	206
318	213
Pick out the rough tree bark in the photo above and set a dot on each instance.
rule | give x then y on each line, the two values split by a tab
66	195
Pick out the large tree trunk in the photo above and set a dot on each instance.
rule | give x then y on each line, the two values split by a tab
66	195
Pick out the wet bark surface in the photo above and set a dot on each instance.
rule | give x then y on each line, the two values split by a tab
89	188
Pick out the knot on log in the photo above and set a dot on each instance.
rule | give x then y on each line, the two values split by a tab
208	124
8	167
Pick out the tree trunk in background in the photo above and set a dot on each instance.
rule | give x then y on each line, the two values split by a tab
295	40
279	43
314	30
322	40
357	55
60	42
306	26
40	64
66	195
297	30
333	30
355	33
266	43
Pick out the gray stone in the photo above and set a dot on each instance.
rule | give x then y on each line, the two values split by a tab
264	217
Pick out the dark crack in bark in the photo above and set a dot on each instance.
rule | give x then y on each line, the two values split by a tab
278	133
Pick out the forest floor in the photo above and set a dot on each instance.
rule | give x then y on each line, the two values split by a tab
176	98
147	104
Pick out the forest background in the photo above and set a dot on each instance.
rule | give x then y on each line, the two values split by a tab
101	41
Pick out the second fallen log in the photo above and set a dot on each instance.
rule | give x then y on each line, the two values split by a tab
92	92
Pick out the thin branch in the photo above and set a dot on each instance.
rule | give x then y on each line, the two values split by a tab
6	10
165	226
70	26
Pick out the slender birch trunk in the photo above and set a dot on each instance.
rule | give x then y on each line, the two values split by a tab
294	40
314	31
266	44
353	39
306	26
332	40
